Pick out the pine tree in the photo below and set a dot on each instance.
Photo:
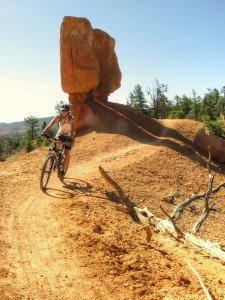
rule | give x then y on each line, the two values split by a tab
32	123
137	100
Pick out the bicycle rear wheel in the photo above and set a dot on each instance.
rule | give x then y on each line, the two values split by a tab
46	171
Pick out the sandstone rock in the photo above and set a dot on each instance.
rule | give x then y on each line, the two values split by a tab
88	64
81	111
78	62
110	75
206	140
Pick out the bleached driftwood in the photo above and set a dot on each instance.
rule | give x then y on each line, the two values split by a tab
164	226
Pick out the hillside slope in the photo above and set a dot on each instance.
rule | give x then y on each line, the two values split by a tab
75	242
19	127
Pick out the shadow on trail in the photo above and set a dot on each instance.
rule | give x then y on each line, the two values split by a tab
74	184
78	187
72	188
57	193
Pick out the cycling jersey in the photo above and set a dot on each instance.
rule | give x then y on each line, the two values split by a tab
65	126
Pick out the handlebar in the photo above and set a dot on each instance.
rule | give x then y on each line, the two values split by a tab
45	135
53	140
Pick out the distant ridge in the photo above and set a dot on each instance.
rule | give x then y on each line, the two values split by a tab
19	127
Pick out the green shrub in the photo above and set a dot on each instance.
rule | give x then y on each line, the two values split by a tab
216	126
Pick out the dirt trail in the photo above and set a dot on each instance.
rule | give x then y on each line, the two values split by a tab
72	242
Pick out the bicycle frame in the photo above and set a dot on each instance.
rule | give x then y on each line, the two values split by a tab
58	152
53	161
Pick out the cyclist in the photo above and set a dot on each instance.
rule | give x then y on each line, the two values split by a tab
66	132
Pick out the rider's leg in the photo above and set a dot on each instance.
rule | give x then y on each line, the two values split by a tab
66	159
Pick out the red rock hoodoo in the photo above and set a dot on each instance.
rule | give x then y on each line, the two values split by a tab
207	141
88	63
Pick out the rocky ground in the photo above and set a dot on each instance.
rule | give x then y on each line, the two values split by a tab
75	240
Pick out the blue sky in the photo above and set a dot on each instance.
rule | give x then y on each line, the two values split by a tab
179	42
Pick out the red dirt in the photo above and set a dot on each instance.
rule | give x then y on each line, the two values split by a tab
73	241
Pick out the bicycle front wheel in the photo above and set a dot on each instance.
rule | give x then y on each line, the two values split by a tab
46	171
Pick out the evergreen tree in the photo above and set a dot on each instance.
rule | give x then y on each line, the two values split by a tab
186	105
196	105
43	125
175	111
159	102
32	123
211	104
222	103
137	100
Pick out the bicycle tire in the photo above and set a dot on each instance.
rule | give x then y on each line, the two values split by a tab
59	168
46	170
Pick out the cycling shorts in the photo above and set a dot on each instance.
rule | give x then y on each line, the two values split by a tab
65	139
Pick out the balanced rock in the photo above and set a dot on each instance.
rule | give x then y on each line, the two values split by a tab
207	141
110	75
88	64
78	62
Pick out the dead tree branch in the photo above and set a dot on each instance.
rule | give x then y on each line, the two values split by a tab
203	217
179	209
167	226
170	198
178	231
202	284
206	211
125	199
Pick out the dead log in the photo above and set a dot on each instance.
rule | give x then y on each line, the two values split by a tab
125	199
165	226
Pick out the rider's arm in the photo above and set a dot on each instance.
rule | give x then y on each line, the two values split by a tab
51	124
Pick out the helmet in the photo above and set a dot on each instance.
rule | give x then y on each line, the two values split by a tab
64	107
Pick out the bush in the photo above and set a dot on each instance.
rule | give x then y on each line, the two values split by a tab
176	114
216	126
44	143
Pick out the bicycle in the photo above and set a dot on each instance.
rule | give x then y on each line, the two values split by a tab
54	160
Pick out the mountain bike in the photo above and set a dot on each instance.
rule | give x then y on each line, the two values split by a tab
54	160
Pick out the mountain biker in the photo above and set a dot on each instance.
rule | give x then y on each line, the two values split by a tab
66	132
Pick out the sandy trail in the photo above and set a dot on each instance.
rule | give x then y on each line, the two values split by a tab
72	242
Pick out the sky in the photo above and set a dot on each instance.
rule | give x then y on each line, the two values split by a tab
180	43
